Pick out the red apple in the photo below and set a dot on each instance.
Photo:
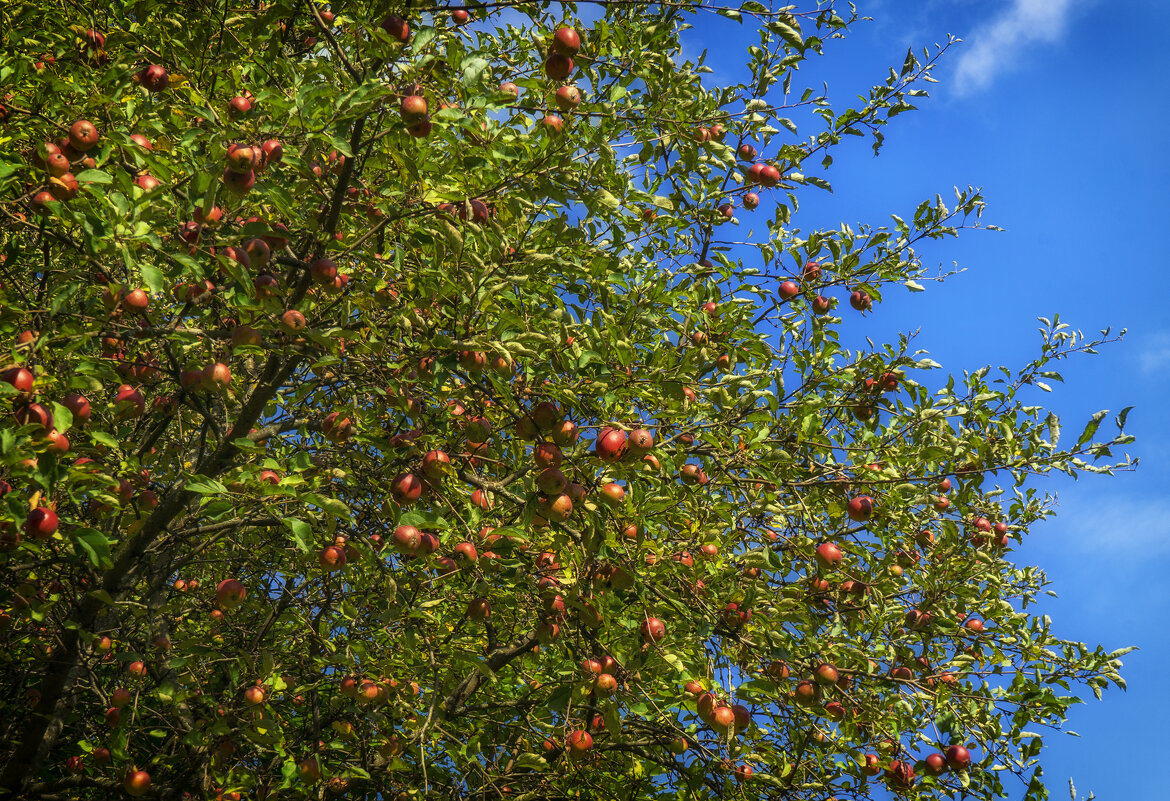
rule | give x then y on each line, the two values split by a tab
958	757
825	674
83	136
406	488
935	764
566	41
136	782
568	98
407	539
239	105
331	558
20	378
652	629
479	609
153	78
860	508
610	444
230	593
397	28
558	66
41	523
578	743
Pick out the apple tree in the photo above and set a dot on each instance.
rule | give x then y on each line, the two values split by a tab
405	401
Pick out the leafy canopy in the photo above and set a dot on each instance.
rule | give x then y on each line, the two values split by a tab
403	404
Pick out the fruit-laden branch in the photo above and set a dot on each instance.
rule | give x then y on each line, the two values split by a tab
495	660
40	731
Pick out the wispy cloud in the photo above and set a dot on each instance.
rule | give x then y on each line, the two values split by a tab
995	45
1155	355
1113	526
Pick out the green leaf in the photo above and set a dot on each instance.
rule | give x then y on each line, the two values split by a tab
206	486
94	544
93	177
153	278
301	531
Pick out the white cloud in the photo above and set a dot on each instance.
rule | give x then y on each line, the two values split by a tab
1155	356
996	44
1112	526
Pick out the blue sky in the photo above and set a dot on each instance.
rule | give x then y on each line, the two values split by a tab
1055	108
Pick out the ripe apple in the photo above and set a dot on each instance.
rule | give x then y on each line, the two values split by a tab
407	539
828	555
510	90
566	41
216	377
153	78
239	105
722	718
958	757
421	129
20	378
568	98
788	290
406	488
241	158
397	28
900	775
136	782
57	164
652	629
292	321
331	558
230	593
41	523
435	464
776	670
414	108
41	200
825	674
465	554
743	717
860	508
734	617
861	301
255	695
935	764
610	444
273	152
806	693
129	403
578	743
83	136
558	66
605	684
552	481
479	609
821	305
308	770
